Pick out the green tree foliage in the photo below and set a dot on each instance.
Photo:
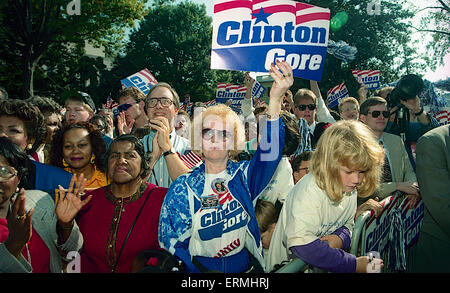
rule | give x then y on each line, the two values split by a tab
435	21
383	43
30	29
174	43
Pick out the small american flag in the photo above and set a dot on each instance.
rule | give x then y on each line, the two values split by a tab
191	159
110	103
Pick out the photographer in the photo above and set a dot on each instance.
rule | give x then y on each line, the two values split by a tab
408	119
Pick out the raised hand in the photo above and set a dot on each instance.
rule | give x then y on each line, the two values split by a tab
124	126
19	225
70	202
162	127
248	80
282	80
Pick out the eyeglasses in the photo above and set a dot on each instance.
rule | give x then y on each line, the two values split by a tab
165	102
7	172
303	107
375	114
208	133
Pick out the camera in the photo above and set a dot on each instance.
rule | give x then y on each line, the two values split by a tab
408	87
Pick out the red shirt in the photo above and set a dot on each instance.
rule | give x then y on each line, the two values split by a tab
104	227
36	249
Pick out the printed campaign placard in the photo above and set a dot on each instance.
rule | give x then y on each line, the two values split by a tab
375	236
236	93
142	80
249	35
335	94
257	91
370	78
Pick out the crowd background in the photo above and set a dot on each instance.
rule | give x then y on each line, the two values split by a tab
125	161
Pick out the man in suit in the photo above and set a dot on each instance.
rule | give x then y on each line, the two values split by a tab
433	172
398	173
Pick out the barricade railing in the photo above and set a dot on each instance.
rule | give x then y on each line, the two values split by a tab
294	266
390	235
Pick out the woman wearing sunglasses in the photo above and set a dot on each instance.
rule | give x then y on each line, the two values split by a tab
34	235
208	219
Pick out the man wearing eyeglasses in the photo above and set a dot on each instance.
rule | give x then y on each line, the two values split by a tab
161	106
398	173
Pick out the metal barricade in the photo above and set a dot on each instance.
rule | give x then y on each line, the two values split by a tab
294	266
391	242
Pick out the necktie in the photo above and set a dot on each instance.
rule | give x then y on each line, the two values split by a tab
387	175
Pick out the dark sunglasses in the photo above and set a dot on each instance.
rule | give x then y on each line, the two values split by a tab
303	107
208	134
375	114
121	109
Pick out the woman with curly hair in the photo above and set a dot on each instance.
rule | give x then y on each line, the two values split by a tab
79	148
24	124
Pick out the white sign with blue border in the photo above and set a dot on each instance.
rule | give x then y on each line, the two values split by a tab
250	35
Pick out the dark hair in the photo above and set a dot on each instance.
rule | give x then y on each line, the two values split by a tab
138	147
335	114
292	134
30	115
297	161
259	109
364	108
318	131
95	136
16	158
46	105
102	119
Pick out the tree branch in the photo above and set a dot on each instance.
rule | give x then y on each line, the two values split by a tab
446	7
430	31
430	7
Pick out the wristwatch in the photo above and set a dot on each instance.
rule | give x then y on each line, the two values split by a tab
420	112
171	151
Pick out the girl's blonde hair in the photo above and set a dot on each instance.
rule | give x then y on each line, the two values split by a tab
228	117
353	145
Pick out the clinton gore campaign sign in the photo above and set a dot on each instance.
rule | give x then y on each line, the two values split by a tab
249	35
142	80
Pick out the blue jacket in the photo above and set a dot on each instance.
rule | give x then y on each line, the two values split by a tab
47	178
248	179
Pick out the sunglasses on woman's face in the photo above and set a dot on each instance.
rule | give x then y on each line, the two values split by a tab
208	133
375	114
303	107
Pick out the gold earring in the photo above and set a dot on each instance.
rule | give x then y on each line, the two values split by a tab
65	163
29	146
92	159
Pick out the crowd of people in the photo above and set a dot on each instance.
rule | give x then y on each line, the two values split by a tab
214	190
